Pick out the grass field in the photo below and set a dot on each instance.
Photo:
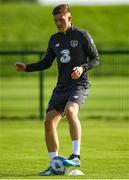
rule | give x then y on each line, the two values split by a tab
108	97
104	119
104	150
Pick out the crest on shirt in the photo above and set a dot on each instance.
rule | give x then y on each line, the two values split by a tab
74	43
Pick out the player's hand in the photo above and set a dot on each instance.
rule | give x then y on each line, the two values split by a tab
20	66
77	72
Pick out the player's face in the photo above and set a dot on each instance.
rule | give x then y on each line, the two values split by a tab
62	21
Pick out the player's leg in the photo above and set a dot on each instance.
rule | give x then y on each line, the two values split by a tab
71	112
78	96
52	119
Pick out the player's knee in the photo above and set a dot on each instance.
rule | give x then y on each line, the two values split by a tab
69	111
48	124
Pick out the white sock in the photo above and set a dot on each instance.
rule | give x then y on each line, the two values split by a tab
52	155
76	147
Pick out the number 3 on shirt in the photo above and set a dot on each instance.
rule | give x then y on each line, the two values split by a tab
65	58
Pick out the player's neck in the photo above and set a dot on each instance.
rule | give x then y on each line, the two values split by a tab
69	27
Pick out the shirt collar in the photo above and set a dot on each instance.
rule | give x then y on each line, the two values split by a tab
68	30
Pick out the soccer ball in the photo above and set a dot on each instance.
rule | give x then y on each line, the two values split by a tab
57	166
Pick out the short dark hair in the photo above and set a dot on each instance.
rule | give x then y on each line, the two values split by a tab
62	8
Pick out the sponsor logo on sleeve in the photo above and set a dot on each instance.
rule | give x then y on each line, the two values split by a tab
57	45
91	40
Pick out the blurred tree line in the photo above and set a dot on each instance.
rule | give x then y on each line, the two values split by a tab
17	1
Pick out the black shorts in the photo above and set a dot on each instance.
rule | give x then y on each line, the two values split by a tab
61	96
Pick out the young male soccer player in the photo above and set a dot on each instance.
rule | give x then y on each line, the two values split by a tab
76	54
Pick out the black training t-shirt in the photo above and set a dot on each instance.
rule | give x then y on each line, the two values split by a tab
73	48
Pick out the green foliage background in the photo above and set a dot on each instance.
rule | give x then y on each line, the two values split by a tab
29	26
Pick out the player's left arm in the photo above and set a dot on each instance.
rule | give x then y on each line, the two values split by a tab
77	72
91	52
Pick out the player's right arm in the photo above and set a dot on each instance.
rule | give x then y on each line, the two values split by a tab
20	66
44	63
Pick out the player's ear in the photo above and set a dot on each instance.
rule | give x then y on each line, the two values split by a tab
70	18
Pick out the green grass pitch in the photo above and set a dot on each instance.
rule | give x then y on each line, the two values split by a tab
105	125
104	149
108	97
105	145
